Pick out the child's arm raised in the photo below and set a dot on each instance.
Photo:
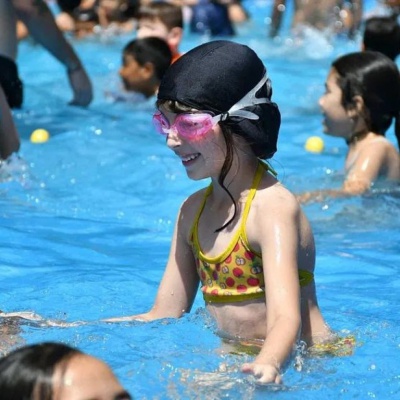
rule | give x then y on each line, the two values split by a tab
180	282
278	233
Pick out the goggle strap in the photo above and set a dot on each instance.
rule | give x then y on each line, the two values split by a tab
240	106
248	100
243	114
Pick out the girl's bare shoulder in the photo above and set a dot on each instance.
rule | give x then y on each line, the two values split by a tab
194	200
190	207
273	198
379	145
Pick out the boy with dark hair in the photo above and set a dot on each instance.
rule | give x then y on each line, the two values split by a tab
144	63
382	34
163	20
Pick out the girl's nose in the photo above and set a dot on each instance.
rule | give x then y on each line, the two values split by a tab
173	138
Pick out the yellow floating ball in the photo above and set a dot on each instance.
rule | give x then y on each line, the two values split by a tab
314	144
40	136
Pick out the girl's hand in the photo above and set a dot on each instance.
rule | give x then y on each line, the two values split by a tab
266	373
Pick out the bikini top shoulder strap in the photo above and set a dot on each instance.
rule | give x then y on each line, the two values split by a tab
194	230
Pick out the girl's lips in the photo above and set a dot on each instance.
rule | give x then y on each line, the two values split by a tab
189	159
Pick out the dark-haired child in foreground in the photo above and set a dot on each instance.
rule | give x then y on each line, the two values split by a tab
55	371
244	239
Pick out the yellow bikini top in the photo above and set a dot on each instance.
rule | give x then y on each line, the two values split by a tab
237	273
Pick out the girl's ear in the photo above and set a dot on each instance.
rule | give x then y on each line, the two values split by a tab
357	107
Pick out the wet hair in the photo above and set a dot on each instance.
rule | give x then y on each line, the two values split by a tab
170	15
382	34
150	50
375	78
215	76
26	373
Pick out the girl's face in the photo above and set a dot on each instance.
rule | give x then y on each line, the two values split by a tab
202	157
87	378
337	121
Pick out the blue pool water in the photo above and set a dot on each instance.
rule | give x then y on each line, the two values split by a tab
86	221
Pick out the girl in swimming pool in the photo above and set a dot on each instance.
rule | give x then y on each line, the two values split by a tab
362	99
244	237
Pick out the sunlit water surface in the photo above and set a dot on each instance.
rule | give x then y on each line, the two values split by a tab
86	221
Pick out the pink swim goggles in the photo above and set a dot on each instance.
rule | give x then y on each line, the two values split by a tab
191	126
194	126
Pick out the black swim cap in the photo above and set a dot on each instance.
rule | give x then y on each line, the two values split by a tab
217	75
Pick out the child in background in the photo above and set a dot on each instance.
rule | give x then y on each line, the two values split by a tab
88	17
163	20
144	63
331	16
362	99
382	34
244	238
237	13
55	371
38	19
211	17
393	6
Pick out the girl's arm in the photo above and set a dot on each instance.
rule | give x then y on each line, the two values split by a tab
179	284
278	9
365	170
279	241
41	25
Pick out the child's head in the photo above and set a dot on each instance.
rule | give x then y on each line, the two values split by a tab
369	90
228	80
382	34
219	97
50	371
163	20
144	62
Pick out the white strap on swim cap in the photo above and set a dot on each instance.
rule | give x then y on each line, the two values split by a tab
248	100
